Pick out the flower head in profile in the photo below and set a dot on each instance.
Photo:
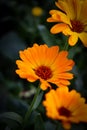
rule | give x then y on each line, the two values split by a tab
46	64
66	106
71	20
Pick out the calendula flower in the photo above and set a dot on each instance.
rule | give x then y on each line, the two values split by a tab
46	64
66	106
37	11
71	20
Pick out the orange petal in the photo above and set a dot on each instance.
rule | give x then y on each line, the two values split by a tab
44	85
58	16
67	31
58	28
66	125
51	20
65	75
73	39
30	76
65	82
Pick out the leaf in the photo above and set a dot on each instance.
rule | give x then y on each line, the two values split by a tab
12	116
17	105
7	128
73	51
39	124
38	100
50	126
78	81
33	116
48	38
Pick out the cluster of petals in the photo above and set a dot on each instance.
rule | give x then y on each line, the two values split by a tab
47	64
66	106
71	20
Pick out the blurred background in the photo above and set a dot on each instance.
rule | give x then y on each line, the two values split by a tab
23	23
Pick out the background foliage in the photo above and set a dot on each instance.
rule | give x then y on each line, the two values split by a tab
19	29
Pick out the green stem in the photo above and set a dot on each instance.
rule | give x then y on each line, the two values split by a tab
30	109
58	127
66	46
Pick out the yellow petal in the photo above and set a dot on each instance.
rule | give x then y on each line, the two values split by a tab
73	39
83	38
83	14
67	31
67	7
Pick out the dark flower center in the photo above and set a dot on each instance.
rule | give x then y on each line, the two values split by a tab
44	72
77	26
64	112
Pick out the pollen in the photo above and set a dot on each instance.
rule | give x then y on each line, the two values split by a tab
77	26
64	112
44	72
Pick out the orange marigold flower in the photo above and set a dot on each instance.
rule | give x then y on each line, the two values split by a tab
66	106
46	64
72	20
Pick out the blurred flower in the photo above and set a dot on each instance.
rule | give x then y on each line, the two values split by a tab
37	11
72	20
46	64
66	106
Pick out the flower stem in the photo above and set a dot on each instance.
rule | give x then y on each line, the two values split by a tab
58	126
66	46
30	109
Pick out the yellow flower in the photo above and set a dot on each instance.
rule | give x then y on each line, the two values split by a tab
37	11
66	106
71	20
46	64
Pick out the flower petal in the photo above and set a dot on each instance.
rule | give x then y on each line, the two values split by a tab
73	39
83	38
67	7
58	28
44	85
58	16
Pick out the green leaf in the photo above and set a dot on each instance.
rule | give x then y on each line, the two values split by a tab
34	104
13	125
50	125
11	116
38	100
33	116
73	51
39	124
48	38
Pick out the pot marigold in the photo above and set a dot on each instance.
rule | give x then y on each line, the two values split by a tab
72	20
46	64
66	106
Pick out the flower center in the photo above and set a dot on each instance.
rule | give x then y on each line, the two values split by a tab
64	112
44	72
77	26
